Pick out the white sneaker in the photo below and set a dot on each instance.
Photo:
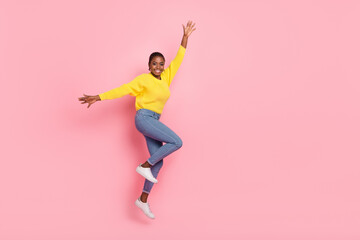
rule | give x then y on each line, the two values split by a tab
145	208
146	173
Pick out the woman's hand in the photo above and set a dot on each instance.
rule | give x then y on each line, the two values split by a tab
89	99
189	28
187	31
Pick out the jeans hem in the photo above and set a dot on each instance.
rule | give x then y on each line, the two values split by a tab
150	163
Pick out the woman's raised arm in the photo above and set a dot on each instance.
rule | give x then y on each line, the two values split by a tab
187	32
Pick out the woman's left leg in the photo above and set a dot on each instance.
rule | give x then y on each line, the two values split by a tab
147	122
157	130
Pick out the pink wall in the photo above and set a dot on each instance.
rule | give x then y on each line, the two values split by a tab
266	102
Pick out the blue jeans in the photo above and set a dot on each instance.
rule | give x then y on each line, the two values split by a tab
155	132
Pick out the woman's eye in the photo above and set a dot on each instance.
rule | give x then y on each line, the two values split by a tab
161	64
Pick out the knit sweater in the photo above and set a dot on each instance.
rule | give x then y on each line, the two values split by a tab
151	93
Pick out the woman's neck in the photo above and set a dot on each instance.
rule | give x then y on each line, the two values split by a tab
156	76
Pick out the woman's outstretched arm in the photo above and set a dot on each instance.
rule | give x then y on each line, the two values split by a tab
132	88
187	32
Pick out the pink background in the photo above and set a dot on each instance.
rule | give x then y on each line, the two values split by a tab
266	102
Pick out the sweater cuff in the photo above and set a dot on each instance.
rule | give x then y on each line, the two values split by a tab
182	49
102	96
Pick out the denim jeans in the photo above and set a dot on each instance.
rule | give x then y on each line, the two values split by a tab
155	132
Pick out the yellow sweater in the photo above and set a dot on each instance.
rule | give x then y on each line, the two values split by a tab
150	92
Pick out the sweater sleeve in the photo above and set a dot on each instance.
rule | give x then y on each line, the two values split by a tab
133	88
170	71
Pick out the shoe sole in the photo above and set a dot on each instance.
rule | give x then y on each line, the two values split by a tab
139	172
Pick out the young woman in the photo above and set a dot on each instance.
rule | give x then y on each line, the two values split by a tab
151	91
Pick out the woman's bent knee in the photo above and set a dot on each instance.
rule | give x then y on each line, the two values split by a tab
178	143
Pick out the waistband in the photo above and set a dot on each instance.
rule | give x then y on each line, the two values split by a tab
148	113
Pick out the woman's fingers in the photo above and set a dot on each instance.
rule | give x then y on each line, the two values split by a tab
190	27
90	103
191	31
188	24
87	99
83	98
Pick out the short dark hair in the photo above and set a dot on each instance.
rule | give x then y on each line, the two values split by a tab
155	54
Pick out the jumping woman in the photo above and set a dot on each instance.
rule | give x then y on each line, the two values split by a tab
151	91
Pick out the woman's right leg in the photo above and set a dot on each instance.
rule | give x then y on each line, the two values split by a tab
153	145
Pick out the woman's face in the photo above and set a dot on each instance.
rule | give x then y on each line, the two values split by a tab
157	66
